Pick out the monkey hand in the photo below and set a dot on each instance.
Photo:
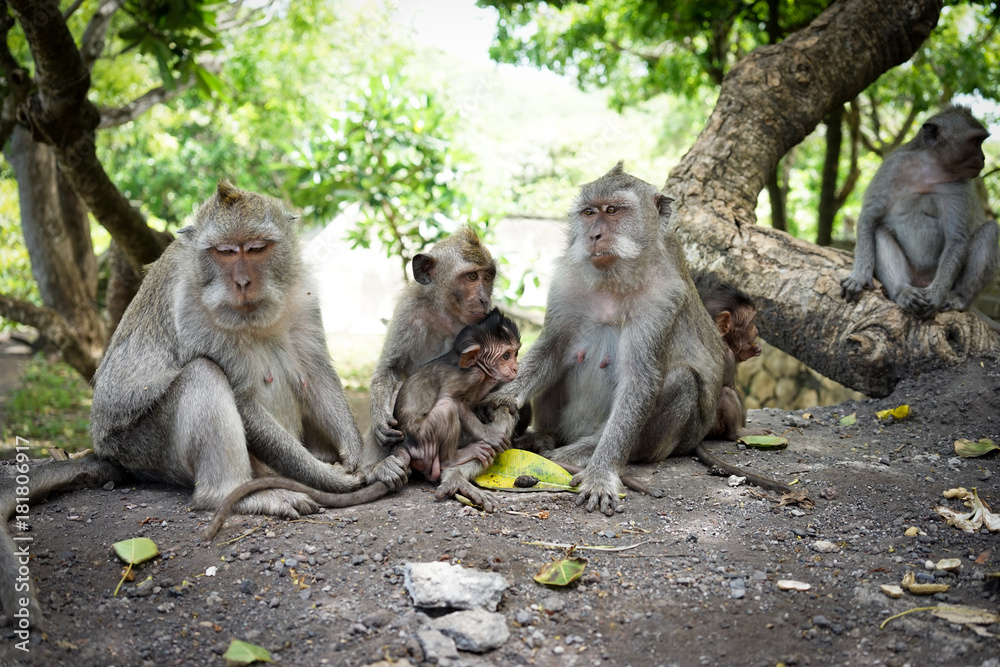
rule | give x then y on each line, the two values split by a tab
497	439
386	433
917	301
599	489
454	481
954	301
392	470
851	286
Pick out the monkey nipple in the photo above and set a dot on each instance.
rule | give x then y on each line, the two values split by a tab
580	355
605	362
268	378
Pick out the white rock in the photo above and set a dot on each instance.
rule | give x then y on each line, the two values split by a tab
437	647
442	585
476	630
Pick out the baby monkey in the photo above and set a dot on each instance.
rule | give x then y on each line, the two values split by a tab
435	405
734	314
434	408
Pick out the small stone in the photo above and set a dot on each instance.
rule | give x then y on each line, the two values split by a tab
824	547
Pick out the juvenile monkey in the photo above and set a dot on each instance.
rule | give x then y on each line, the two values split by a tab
922	232
734	315
434	408
218	368
452	287
629	365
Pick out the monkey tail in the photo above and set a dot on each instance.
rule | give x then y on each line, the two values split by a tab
368	494
56	477
712	461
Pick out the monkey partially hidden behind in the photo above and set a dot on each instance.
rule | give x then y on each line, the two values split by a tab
218	371
629	365
734	314
434	409
452	288
922	231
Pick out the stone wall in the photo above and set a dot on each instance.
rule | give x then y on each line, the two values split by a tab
775	379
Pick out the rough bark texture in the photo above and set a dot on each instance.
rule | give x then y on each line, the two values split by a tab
60	115
57	235
769	102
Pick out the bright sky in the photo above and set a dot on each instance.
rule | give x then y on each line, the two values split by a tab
455	26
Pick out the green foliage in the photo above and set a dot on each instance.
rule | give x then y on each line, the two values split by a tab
389	150
50	408
16	280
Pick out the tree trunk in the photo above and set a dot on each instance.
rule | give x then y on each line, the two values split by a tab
769	102
828	188
57	235
776	194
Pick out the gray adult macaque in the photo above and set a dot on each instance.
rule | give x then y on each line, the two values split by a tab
452	288
629	365
922	231
219	371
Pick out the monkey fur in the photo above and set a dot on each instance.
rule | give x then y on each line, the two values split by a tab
629	365
219	371
452	288
922	231
434	408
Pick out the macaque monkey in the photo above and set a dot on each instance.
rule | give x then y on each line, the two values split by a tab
734	315
434	409
629	365
218	368
922	231
452	288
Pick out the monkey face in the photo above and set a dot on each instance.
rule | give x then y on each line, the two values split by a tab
471	291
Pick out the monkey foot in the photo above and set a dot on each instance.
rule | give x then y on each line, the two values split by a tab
392	470
278	502
599	491
454	482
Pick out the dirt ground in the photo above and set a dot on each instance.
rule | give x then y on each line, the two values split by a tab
700	586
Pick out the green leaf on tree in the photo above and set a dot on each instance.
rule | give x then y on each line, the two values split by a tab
764	441
242	653
561	572
969	449
849	420
137	550
514	464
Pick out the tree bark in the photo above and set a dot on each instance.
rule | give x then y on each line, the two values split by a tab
57	235
828	187
59	114
770	101
776	194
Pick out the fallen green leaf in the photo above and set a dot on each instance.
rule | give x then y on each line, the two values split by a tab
513	463
764	441
849	419
970	449
137	550
900	412
242	653
561	572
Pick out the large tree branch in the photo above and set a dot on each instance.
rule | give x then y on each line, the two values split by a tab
92	43
55	328
16	82
60	114
769	102
140	105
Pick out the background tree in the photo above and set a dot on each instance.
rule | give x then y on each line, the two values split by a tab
639	50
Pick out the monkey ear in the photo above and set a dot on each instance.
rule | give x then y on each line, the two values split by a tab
724	321
423	268
930	133
469	356
663	203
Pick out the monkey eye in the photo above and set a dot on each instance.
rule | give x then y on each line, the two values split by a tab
490	276
611	209
506	356
256	246
589	211
226	249
473	276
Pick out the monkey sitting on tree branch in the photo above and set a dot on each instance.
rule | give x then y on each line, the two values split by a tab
922	231
218	372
